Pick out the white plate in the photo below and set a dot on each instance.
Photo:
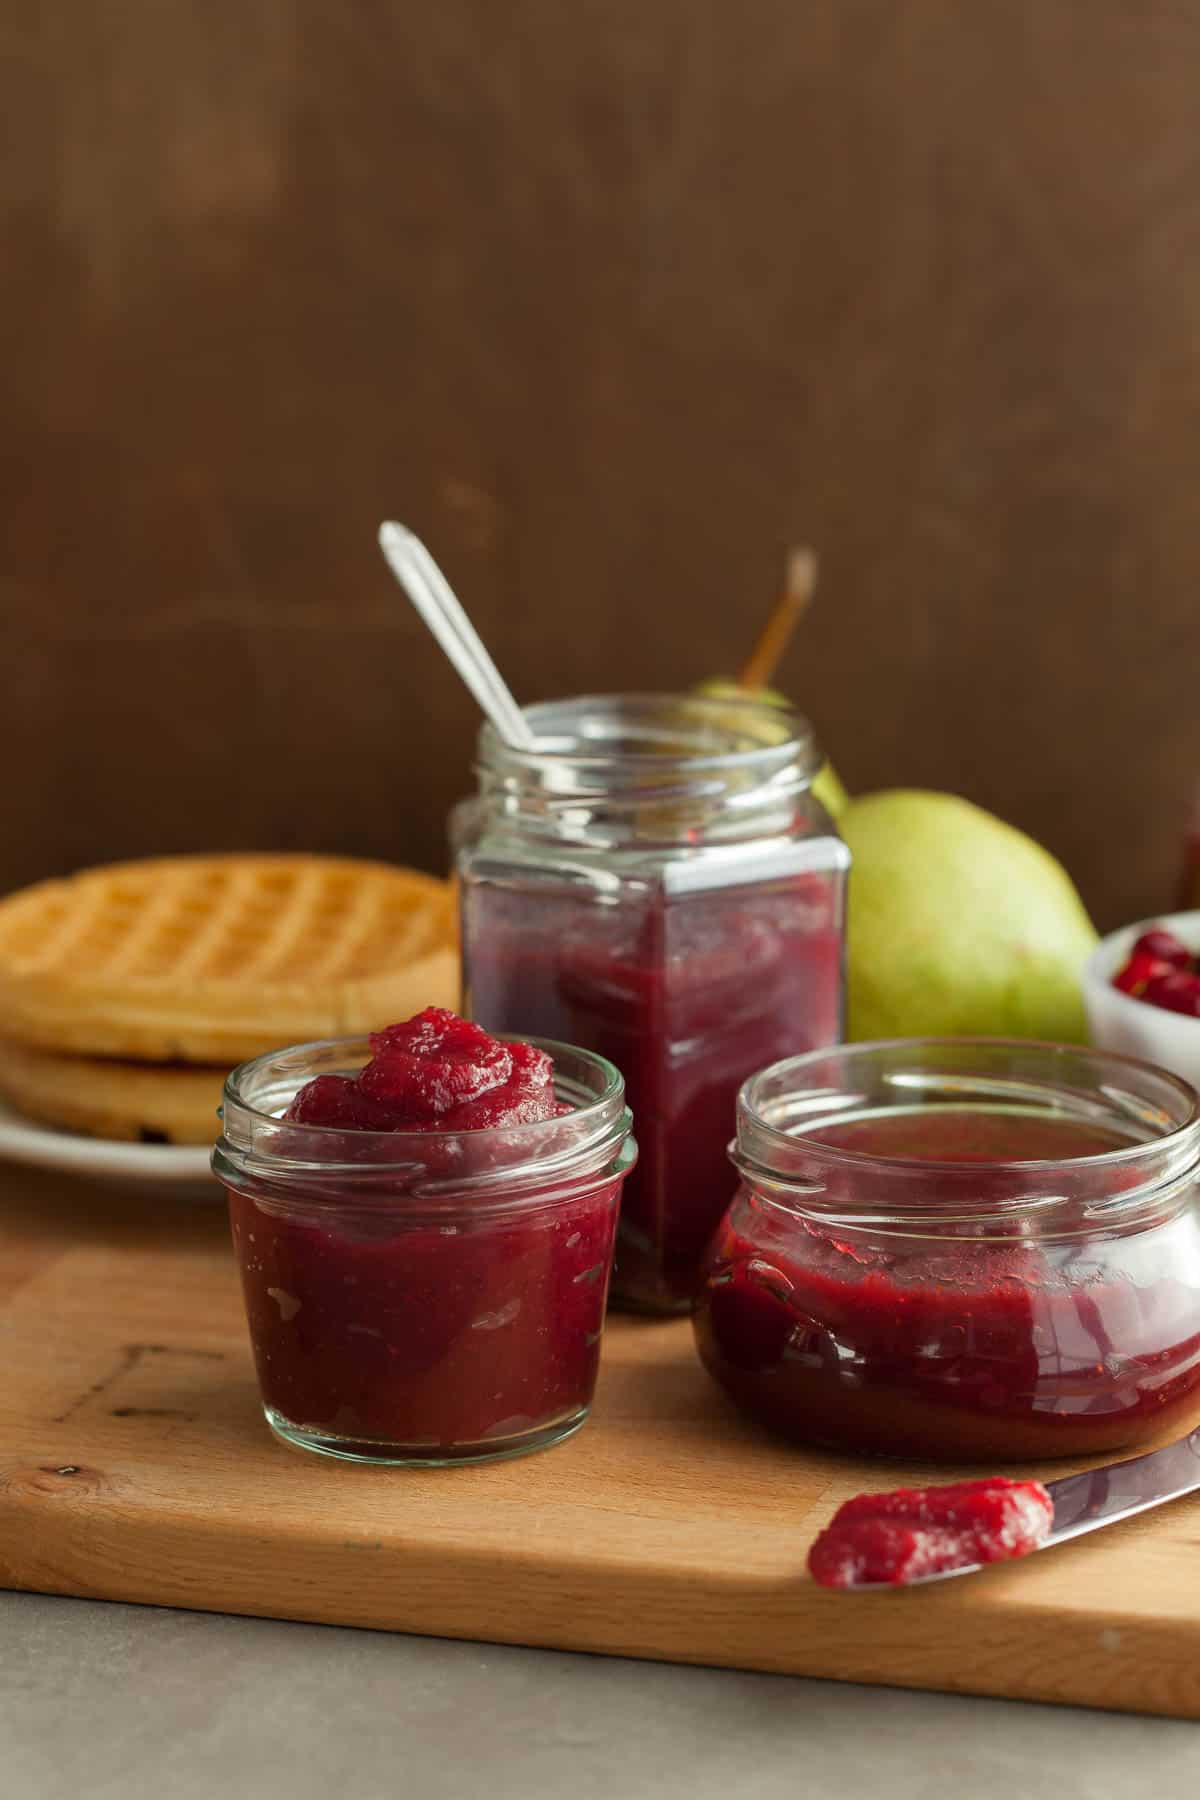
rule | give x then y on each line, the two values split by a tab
104	1160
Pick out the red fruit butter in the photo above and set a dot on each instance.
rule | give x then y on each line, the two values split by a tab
339	1101
434	1072
914	1532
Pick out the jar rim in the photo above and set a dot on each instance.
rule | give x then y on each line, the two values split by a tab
716	713
612	771
789	1162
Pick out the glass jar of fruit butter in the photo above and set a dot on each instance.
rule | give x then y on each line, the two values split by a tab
966	1249
656	882
424	1226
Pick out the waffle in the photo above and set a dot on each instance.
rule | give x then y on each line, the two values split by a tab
213	959
145	1102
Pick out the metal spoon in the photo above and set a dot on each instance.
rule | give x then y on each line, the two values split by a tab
441	609
1096	1498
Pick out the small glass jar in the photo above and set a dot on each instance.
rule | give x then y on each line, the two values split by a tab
967	1249
423	1297
657	882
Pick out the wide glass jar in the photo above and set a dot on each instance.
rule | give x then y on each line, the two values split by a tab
423	1297
965	1249
657	882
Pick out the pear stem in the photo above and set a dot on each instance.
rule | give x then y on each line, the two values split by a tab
799	586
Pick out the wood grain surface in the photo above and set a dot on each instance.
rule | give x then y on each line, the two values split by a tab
135	1465
612	302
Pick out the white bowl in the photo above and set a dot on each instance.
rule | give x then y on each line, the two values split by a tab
1119	1022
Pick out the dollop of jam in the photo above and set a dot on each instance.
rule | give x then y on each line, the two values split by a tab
434	1072
910	1533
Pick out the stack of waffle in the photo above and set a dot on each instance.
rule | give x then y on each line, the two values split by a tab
128	992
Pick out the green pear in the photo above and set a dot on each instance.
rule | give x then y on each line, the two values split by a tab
958	924
826	786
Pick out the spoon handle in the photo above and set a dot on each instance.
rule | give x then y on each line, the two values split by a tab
439	606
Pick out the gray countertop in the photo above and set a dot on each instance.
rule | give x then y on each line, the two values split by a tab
108	1701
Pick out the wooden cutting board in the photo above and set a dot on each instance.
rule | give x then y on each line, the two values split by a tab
134	1465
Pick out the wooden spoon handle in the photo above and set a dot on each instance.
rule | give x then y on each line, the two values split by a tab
798	590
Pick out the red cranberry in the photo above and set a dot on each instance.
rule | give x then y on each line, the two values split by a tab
1177	991
1138	972
1157	952
1163	946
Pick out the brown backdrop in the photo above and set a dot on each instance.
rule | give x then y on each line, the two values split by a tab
611	301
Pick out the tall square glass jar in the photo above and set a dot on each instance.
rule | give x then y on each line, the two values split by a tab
657	883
